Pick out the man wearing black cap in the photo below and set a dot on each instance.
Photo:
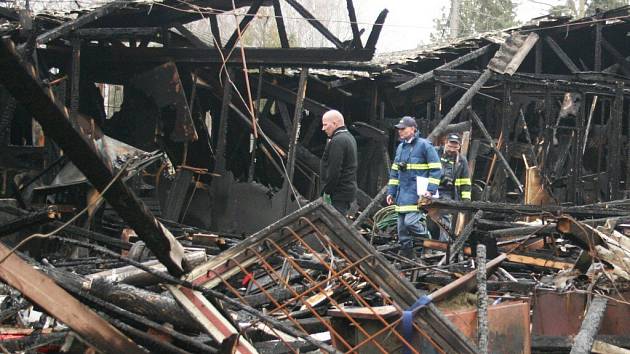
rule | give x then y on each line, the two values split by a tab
455	182
415	157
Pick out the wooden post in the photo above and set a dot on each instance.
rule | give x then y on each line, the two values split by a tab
538	58
297	119
482	301
597	60
223	122
615	142
75	86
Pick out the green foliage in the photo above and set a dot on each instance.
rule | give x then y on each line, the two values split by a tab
476	16
582	8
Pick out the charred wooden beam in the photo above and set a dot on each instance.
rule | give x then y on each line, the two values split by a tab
282	31
268	57
562	55
315	23
590	326
619	58
461	104
538	58
242	26
503	208
597	55
216	32
458	245
450	65
505	163
117	33
356	34
191	37
41	290
154	306
280	93
20	79
75	80
27	221
615	144
376	30
295	129
81	21
223	121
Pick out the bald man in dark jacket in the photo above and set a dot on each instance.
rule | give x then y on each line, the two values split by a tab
338	169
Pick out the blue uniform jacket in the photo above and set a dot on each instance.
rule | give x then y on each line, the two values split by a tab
421	159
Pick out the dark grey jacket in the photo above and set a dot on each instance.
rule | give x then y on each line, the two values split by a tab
338	169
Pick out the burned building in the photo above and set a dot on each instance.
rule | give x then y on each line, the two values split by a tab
169	181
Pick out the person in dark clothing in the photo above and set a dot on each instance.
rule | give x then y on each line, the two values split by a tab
455	182
338	169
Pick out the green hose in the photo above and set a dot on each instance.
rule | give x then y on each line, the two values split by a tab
385	218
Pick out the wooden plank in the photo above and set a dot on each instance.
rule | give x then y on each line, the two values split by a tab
521	54
590	326
209	317
564	58
468	280
41	290
600	347
537	261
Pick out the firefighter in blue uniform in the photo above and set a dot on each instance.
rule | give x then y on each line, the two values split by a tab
415	157
455	182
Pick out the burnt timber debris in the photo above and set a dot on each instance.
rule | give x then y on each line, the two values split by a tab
159	188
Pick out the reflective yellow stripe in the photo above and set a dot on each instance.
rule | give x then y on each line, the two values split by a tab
465	195
462	182
433	165
393	182
417	166
406	208
434	181
395	166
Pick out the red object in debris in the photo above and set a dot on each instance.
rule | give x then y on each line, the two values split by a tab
247	279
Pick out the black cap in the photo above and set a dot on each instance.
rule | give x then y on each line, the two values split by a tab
406	122
454	138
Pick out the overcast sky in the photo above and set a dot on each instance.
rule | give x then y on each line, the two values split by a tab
410	22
